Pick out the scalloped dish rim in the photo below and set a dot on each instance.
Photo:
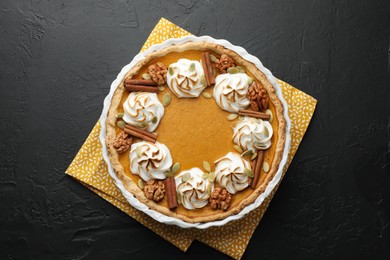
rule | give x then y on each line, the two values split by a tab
168	219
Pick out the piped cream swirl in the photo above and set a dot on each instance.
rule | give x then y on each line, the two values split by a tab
195	192
230	172
230	91
252	134
184	78
143	110
149	160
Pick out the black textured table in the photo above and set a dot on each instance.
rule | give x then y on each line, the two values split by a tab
58	59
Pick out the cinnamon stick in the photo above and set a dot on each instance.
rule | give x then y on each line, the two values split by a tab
141	88
141	135
170	187
255	114
208	69
257	168
211	70
151	135
145	82
204	66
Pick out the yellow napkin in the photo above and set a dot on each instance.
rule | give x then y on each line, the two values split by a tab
89	168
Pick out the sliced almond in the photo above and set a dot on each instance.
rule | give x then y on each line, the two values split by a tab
260	145
212	176
146	76
121	124
271	116
203	81
166	99
265	167
168	174
209	188
254	156
119	115
238	149
185	177
250	81
176	167
178	197
206	166
206	95
232	117
213	58
240	69
141	184
144	124
246	153
232	70
248	172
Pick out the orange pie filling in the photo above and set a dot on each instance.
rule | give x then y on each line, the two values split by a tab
196	130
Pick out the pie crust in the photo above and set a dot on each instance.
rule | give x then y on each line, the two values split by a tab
197	216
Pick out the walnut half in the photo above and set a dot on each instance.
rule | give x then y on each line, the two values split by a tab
158	72
154	190
258	97
122	142
220	199
224	63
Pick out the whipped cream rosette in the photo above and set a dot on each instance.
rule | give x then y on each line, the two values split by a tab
186	78
252	134
230	91
230	172
193	189
143	110
150	160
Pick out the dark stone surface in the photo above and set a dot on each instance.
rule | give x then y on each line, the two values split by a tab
58	58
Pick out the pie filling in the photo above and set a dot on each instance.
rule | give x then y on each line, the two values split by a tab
196	132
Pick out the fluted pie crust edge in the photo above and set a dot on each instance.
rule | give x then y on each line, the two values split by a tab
133	187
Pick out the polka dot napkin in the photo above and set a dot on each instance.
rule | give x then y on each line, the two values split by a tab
232	239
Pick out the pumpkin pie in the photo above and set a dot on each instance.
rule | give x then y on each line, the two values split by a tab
195	132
